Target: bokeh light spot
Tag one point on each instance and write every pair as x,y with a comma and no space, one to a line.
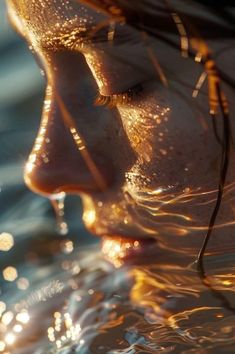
10,274
6,242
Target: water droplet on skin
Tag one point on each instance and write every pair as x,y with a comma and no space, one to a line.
57,202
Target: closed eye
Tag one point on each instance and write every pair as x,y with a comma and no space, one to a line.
120,98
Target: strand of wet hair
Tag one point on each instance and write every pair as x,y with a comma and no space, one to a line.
215,130
184,43
225,145
225,148
217,100
223,174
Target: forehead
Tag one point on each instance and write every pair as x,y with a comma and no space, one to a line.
37,11
43,20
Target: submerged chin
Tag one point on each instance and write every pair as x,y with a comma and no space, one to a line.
179,228
113,228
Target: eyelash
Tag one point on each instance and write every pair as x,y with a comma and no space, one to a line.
121,98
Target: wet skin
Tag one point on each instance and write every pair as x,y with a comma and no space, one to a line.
149,165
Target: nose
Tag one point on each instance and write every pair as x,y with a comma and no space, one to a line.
63,159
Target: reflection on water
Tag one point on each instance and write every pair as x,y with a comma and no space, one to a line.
80,303
6,242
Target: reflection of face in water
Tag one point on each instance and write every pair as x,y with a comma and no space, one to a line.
144,157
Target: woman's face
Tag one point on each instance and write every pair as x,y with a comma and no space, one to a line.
143,157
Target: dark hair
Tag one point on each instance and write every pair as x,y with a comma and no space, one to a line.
157,18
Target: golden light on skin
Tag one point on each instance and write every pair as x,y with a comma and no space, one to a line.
156,191
227,329
135,127
15,20
155,203
30,165
89,214
6,242
174,320
80,143
227,282
143,289
10,274
117,250
89,217
94,65
145,121
220,315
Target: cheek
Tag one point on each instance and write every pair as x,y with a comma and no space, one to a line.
173,147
